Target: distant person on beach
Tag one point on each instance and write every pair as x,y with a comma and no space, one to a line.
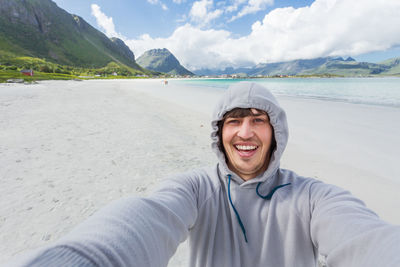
244,211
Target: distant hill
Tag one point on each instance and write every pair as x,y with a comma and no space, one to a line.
393,65
348,68
40,29
288,68
269,69
317,66
162,60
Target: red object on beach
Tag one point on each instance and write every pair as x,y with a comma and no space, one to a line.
27,72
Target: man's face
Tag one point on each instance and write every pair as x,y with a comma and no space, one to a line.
247,142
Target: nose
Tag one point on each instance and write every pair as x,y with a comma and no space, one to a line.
245,130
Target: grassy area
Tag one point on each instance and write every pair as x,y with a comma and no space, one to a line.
11,65
15,74
40,76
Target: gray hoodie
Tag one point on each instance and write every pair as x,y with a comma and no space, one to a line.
275,219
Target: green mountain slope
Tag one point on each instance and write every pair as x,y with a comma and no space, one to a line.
162,60
348,68
39,28
393,66
288,68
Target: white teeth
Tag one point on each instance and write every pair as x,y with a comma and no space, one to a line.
245,147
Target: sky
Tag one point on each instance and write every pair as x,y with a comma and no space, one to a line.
243,33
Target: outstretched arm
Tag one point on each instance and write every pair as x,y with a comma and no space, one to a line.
129,232
348,233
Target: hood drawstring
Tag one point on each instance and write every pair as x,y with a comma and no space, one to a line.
267,197
234,209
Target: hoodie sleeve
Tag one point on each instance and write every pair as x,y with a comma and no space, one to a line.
129,232
348,233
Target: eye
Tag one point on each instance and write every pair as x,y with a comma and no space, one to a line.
259,120
232,121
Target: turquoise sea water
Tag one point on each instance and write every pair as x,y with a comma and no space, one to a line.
372,91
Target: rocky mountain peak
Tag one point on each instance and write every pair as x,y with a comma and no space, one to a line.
162,60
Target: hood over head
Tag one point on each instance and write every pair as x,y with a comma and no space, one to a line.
251,95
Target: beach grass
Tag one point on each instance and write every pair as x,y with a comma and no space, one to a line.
14,74
6,75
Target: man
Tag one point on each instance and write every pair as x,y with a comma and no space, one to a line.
244,211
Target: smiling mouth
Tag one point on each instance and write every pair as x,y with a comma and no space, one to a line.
246,151
245,148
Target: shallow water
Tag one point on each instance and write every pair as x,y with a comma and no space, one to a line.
371,91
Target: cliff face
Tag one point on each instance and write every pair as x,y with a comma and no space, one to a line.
24,12
162,60
123,48
39,28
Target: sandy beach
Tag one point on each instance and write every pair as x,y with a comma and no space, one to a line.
68,148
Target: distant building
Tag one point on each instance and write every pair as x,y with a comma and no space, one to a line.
239,75
27,72
114,73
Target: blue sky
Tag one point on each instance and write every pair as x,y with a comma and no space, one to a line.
217,34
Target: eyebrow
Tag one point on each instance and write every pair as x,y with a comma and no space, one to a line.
252,115
258,114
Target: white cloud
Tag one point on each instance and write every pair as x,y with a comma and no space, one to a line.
192,46
178,1
104,22
252,6
201,12
326,28
158,2
235,5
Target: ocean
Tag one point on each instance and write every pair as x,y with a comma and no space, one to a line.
370,91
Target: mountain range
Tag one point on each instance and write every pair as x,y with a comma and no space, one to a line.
318,66
162,60
40,29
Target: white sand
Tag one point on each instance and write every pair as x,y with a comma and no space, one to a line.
69,148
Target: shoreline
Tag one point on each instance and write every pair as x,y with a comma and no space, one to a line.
277,94
72,147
